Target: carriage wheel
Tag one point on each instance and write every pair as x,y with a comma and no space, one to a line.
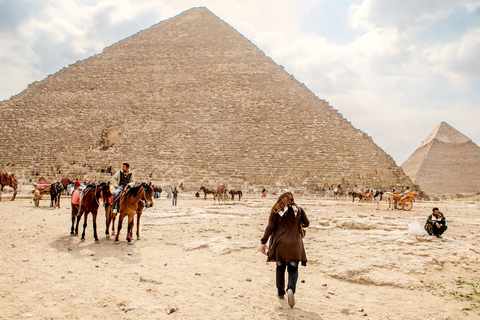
369,199
407,204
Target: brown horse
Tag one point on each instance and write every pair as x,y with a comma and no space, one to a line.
90,203
7,179
207,191
130,205
234,192
221,194
356,195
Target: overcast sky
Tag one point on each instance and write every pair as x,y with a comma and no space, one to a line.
395,69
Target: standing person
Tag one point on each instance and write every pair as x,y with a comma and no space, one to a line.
77,183
159,191
436,224
120,181
286,243
174,198
264,193
169,192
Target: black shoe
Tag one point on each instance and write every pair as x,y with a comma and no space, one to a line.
291,298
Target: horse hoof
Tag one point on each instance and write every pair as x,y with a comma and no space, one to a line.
97,241
138,238
107,236
130,243
82,240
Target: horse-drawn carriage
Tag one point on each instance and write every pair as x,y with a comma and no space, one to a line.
42,186
400,201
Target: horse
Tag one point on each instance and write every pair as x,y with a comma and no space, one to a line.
7,179
89,203
392,198
338,191
130,205
234,192
56,190
207,191
356,195
37,195
221,194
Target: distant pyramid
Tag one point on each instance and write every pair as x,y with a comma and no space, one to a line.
189,100
447,162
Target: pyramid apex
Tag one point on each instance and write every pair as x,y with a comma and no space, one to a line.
445,133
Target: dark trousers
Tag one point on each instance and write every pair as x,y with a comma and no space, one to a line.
292,269
432,229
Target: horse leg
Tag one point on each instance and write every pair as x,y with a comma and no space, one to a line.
79,217
14,194
119,227
84,224
130,228
113,222
58,200
52,199
94,218
74,215
108,218
139,214
1,190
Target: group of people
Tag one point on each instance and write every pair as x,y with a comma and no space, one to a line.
284,234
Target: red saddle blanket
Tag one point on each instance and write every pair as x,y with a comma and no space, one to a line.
75,195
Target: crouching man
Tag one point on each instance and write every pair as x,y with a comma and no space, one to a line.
436,225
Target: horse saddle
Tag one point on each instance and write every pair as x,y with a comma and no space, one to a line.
79,193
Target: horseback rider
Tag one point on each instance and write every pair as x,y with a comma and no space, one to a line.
120,181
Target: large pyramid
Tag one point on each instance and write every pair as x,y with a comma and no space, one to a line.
447,162
188,100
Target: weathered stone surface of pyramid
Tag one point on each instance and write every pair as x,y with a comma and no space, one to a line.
447,162
189,100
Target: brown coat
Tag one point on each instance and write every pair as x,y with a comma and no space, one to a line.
286,242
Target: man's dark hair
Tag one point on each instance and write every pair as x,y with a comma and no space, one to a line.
435,209
126,165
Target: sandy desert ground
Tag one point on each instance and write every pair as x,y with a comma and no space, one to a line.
202,261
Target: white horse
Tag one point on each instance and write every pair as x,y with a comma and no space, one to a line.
389,196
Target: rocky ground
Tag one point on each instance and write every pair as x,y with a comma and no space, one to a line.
202,261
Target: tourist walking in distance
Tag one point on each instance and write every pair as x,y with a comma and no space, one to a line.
174,198
285,230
